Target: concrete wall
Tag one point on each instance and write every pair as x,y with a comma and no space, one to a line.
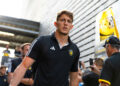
85,11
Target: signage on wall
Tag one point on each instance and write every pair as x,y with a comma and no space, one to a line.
107,24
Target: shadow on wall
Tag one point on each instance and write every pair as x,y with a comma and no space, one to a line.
44,29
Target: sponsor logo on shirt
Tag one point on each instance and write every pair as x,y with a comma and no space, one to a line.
5,80
52,48
29,68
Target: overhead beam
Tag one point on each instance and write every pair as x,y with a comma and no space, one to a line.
32,25
19,31
16,38
11,45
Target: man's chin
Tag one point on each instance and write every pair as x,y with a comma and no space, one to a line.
64,33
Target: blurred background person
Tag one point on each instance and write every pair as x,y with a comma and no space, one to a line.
27,80
17,51
5,56
110,75
7,51
91,78
3,76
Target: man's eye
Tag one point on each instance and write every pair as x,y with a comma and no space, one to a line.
69,21
62,20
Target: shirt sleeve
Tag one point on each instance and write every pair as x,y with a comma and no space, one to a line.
35,49
74,67
107,71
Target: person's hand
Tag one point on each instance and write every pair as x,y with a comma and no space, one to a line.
79,72
83,65
95,69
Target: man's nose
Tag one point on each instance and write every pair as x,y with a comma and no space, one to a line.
66,22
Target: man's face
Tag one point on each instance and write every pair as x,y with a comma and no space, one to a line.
108,49
64,24
7,46
3,71
25,50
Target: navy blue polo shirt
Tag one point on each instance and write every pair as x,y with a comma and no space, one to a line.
54,64
15,63
3,81
111,70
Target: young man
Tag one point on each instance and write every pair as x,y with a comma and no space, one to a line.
27,80
110,75
56,55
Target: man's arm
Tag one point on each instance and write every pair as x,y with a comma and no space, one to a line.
20,71
26,81
79,75
95,69
74,79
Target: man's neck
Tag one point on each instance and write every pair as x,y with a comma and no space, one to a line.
62,39
114,51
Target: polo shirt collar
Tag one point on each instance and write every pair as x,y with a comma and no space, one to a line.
54,38
115,53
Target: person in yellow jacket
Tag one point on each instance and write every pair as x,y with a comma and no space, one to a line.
7,51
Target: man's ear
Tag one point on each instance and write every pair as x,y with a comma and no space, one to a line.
55,23
72,27
108,45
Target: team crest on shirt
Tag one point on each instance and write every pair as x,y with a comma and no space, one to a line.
5,80
70,52
52,48
29,68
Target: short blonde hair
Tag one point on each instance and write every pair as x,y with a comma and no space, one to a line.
68,13
99,61
23,45
2,66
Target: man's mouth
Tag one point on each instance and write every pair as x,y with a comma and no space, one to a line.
64,28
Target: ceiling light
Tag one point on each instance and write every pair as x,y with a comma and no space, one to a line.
4,42
6,33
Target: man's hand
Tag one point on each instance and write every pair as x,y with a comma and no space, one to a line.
95,69
83,65
27,81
